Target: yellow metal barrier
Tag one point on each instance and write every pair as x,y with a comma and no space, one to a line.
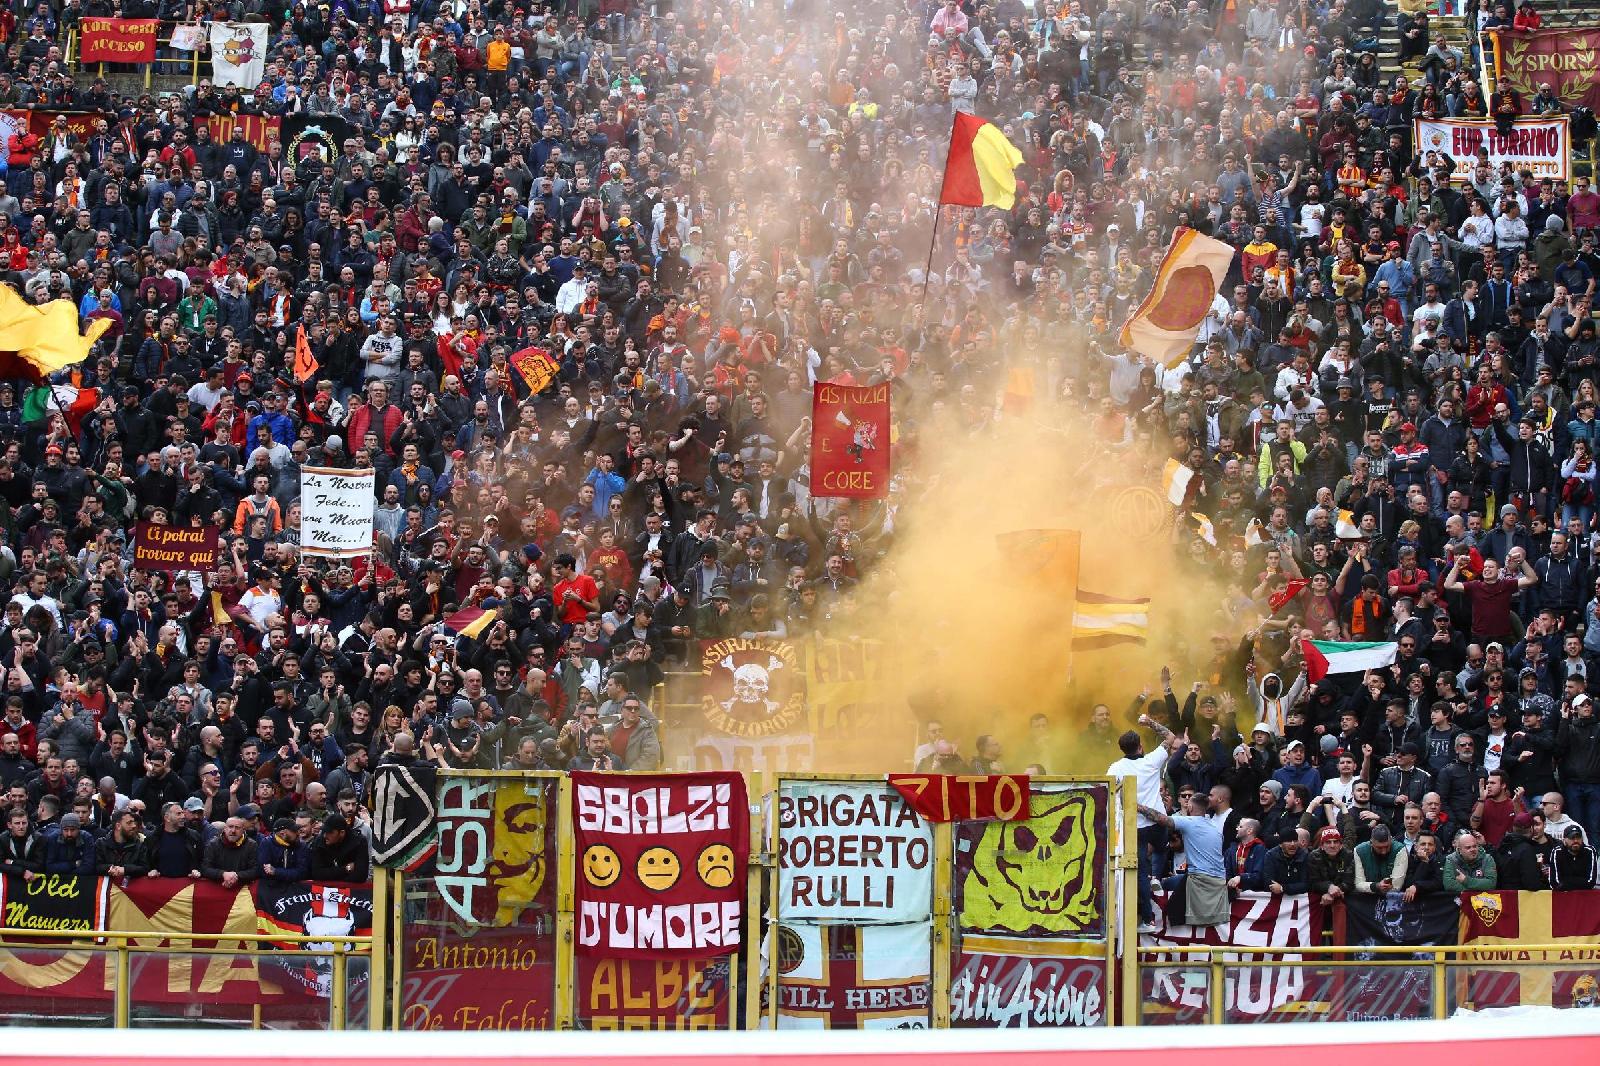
124,945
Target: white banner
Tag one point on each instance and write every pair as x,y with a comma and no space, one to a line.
336,511
238,53
851,852
855,977
189,37
1540,145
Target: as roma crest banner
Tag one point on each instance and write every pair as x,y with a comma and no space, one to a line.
661,864
1495,926
850,441
1164,326
312,140
238,53
1567,59
106,40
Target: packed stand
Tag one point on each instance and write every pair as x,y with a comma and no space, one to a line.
699,211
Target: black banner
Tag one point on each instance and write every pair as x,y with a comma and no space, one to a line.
305,908
312,140
1390,919
405,830
67,902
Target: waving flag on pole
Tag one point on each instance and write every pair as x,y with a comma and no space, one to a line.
1203,526
1324,657
1175,482
981,169
1101,621
1164,326
1345,527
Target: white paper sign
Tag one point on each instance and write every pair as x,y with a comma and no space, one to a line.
336,511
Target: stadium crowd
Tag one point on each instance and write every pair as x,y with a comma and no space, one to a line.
699,210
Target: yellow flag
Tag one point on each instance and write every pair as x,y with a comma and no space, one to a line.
45,335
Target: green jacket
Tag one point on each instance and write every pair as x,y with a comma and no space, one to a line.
1481,873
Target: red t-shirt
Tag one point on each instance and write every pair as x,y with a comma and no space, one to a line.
1491,606
574,612
1497,815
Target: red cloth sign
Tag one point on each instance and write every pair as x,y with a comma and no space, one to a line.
537,368
174,547
105,40
661,864
965,797
850,441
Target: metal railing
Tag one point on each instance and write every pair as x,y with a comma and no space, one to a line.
123,946
1450,971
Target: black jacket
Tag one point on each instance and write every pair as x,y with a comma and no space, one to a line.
348,861
1517,862
1572,871
133,855
1579,742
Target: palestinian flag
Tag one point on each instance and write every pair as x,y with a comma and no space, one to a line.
1100,621
470,621
1324,657
1496,930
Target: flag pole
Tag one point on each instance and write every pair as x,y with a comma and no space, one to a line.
927,271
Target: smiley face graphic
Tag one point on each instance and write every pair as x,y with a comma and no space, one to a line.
601,867
716,865
659,869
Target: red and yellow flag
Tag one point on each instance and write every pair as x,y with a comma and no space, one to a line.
1164,326
1496,928
981,170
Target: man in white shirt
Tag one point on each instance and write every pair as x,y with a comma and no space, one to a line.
1552,805
1146,771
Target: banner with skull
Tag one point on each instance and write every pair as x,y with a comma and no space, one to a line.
753,706
308,908
1043,877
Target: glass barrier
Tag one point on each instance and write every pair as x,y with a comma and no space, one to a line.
244,990
58,985
1174,995
1487,984
1328,991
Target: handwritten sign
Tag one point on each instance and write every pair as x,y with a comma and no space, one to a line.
965,797
336,507
105,40
174,547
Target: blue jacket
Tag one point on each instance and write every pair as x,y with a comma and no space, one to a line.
1304,774
288,863
1249,874
60,857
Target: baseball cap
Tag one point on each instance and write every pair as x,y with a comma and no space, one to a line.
1522,821
1570,831
1408,427
1293,744
1411,748
194,803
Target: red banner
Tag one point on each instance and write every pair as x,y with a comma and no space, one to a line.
1180,995
637,994
174,547
259,130
850,441
661,864
965,797
1567,60
103,40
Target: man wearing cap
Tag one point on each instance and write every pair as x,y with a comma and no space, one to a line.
1530,756
1578,740
1401,785
283,857
338,854
1516,858
230,859
1573,867
1296,771
69,850
1330,871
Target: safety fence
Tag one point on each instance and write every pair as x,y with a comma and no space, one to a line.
712,900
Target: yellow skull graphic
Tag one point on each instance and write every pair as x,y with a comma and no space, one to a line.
1038,875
